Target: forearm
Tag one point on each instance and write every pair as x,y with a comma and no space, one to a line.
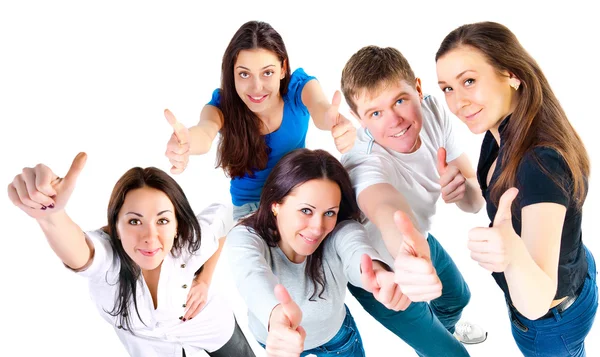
200,140
319,116
208,269
66,239
473,199
531,289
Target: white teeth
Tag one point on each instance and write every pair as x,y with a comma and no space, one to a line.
400,133
257,98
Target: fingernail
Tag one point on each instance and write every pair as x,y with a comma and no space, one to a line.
44,208
184,319
190,318
51,205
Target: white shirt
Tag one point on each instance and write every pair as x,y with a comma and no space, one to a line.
414,175
164,334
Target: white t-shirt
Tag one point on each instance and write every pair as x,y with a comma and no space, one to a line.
163,333
414,175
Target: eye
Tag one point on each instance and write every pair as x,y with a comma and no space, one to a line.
469,82
330,214
399,101
376,114
268,73
244,75
447,89
163,221
306,210
134,222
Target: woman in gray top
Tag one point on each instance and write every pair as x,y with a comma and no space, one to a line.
305,239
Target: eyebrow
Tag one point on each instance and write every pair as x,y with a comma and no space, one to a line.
247,69
158,214
313,207
373,108
459,75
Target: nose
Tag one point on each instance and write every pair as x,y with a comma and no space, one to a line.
257,84
317,226
150,233
396,118
461,99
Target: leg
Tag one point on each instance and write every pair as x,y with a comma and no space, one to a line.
236,346
346,343
417,326
455,292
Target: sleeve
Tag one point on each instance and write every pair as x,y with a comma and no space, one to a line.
297,82
247,254
543,176
351,241
215,101
103,255
448,134
367,170
215,222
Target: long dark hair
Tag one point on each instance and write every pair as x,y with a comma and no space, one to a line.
294,169
242,149
538,119
188,232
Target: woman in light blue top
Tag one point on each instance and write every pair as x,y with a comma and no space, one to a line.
261,111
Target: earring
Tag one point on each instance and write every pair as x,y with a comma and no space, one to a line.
515,86
274,212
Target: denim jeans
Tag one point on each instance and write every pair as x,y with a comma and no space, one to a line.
244,210
346,343
564,333
426,327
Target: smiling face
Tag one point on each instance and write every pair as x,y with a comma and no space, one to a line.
475,91
257,74
393,117
147,226
306,216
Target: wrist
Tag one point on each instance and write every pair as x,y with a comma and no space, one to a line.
53,219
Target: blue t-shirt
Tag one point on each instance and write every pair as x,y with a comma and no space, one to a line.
291,135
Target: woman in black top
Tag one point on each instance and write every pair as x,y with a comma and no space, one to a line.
533,171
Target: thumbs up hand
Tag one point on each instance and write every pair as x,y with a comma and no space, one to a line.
415,274
178,147
342,130
377,280
286,336
40,193
493,247
452,181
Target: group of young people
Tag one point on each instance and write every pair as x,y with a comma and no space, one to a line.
308,227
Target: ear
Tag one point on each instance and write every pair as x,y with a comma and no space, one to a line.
514,82
283,69
418,87
275,208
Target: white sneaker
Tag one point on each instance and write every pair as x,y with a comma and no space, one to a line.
469,333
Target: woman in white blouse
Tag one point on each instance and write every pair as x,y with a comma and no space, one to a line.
149,268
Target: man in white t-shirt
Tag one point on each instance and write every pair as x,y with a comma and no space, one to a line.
403,159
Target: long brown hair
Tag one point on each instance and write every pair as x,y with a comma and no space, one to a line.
294,169
242,149
538,119
188,233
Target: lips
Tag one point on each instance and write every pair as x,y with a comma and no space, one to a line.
309,240
401,132
257,99
148,253
472,116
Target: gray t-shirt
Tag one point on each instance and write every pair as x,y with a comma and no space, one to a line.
257,268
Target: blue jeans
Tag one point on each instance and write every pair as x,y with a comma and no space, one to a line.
426,327
564,333
244,210
346,343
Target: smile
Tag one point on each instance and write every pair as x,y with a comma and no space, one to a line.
309,240
472,116
257,99
149,253
397,135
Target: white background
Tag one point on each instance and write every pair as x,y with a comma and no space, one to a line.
96,78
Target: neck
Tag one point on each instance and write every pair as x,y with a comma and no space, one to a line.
290,253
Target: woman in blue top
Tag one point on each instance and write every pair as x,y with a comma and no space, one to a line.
261,110
534,245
